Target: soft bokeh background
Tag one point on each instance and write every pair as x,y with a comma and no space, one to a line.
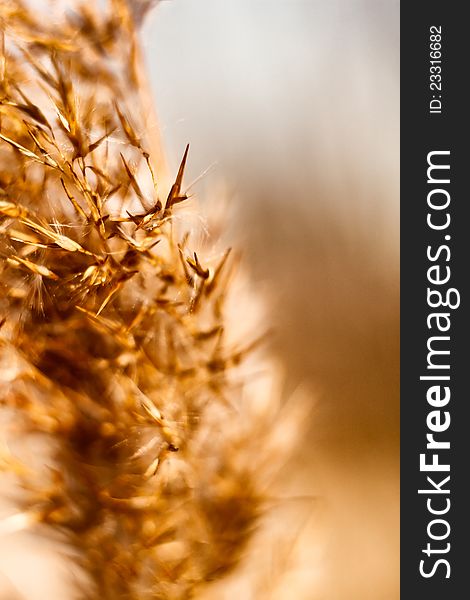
297,103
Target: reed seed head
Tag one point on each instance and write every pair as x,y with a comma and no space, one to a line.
116,349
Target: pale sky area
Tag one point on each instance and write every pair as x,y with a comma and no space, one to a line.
280,86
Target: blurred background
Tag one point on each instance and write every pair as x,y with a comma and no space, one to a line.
294,107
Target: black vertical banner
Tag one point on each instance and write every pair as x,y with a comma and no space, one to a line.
435,309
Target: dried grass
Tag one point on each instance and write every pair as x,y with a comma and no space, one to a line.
115,344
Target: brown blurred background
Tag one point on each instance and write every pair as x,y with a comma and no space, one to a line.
298,104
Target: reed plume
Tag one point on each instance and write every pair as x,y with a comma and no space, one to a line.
117,348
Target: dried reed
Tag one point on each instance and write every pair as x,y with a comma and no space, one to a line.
115,344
